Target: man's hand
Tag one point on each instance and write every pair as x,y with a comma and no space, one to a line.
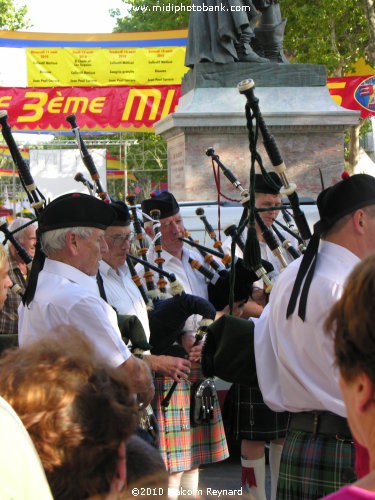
177,368
195,351
140,378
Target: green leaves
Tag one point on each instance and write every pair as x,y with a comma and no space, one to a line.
12,18
329,32
151,15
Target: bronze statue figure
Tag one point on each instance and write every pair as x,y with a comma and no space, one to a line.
224,31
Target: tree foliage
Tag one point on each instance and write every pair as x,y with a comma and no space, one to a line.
329,32
369,9
334,33
11,17
150,15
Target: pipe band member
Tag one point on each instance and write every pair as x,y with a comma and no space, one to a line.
62,287
264,425
294,357
184,447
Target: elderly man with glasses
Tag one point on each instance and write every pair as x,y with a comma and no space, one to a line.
122,293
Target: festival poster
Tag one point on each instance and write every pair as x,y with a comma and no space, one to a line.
87,67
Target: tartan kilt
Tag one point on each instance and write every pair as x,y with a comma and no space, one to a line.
182,446
314,466
252,419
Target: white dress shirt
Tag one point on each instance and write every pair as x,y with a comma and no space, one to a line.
295,359
66,296
191,280
123,294
266,254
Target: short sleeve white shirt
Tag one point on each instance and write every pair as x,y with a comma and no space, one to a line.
294,359
66,296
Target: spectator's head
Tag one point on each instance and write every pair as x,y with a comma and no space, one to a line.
5,281
26,236
77,410
352,325
143,462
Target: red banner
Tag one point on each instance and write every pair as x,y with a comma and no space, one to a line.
121,109
97,108
354,92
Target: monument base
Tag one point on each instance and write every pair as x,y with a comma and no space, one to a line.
307,124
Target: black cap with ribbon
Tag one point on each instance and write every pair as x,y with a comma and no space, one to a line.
165,202
69,210
268,185
344,198
122,214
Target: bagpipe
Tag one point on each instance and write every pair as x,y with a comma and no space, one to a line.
223,284
217,354
252,216
36,199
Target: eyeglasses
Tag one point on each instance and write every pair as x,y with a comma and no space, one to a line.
121,239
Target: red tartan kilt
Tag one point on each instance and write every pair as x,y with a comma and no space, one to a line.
182,446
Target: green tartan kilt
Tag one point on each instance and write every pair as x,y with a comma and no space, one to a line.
314,466
182,446
252,419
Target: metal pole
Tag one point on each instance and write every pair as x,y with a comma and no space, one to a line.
125,169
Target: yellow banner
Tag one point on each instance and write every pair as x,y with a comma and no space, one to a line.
88,67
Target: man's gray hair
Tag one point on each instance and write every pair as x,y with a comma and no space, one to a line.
19,222
54,240
369,210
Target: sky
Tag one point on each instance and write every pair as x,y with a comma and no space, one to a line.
71,16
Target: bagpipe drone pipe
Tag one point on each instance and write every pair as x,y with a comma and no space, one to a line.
219,336
236,282
36,199
253,114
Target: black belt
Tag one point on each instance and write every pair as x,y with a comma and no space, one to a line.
320,422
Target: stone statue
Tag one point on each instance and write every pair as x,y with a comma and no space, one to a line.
224,31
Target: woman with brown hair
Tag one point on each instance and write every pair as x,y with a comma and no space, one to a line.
352,326
78,412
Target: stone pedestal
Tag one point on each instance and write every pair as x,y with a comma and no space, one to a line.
307,124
